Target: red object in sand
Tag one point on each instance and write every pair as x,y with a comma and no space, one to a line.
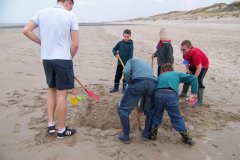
92,95
87,91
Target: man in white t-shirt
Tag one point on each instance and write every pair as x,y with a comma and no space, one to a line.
59,41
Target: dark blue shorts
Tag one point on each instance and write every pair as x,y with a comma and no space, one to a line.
59,74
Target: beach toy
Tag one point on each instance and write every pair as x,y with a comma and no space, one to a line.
185,62
81,98
89,93
74,100
191,101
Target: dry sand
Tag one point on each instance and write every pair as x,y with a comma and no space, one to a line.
215,127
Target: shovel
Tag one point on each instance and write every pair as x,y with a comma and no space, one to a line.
87,91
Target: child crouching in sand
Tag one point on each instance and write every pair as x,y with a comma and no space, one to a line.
166,97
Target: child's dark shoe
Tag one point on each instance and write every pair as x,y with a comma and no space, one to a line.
145,138
113,90
124,138
186,139
153,133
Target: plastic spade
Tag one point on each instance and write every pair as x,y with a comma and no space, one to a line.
87,91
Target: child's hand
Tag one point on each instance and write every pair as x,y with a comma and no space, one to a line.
189,72
152,57
117,55
193,98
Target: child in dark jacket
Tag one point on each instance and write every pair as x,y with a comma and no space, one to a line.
124,51
164,52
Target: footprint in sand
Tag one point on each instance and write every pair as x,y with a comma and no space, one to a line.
29,74
3,105
12,102
16,94
213,78
16,128
25,90
104,80
43,138
18,72
55,157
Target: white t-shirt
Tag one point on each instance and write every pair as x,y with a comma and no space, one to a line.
55,27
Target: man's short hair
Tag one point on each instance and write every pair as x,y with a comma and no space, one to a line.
65,1
167,68
187,43
127,31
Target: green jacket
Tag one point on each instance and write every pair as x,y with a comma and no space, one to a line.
173,79
125,50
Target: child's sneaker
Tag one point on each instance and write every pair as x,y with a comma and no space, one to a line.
68,132
51,129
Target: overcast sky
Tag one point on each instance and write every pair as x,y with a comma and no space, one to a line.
20,11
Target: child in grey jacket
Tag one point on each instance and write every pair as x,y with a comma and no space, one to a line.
164,52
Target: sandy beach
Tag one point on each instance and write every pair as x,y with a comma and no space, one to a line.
215,126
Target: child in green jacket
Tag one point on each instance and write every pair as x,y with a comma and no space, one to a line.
166,97
124,51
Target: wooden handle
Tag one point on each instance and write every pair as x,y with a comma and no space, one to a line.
82,86
79,82
121,61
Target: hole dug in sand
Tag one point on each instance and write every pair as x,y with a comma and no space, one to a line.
103,114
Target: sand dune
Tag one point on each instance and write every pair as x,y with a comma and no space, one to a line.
219,10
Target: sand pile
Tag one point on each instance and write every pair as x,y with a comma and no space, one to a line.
103,114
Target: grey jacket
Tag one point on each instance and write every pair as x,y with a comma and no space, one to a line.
164,54
138,68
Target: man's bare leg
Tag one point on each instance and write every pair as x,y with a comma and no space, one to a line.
51,104
61,107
